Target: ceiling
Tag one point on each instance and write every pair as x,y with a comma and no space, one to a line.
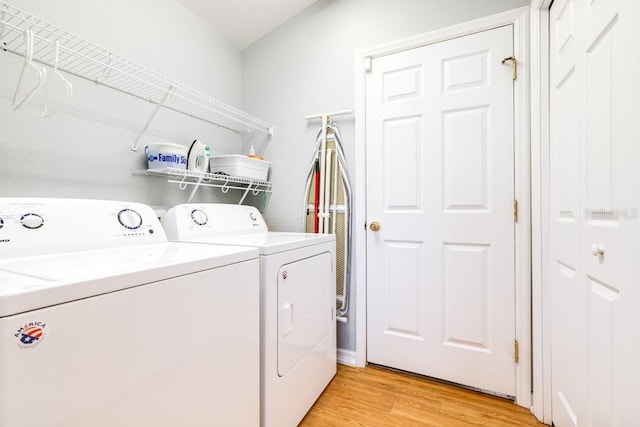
244,21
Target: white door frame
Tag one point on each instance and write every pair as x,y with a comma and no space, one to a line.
519,18
540,212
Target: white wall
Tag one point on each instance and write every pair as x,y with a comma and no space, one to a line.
306,66
84,151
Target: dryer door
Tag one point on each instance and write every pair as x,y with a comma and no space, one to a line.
305,289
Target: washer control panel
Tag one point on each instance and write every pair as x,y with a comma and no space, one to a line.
35,226
202,220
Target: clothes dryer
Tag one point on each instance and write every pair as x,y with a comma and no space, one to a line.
297,302
104,323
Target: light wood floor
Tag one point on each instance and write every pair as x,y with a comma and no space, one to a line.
374,396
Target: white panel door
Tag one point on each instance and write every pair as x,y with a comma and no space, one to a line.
595,207
568,302
440,181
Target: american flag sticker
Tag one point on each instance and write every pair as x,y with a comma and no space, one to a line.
31,334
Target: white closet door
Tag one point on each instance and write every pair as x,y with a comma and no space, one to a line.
595,207
440,181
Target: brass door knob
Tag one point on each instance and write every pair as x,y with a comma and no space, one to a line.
597,250
374,226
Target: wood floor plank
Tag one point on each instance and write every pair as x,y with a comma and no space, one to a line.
374,396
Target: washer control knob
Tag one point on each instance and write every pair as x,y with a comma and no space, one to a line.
130,219
199,217
253,216
31,221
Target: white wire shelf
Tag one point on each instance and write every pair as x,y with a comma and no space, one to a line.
225,182
185,178
86,60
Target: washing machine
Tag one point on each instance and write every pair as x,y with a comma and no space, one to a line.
297,302
105,323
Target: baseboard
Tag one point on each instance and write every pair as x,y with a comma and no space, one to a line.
347,357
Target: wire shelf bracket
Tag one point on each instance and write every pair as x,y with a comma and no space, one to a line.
134,147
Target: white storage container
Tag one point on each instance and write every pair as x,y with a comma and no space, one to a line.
240,166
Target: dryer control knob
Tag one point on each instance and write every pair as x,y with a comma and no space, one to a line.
130,219
31,221
199,217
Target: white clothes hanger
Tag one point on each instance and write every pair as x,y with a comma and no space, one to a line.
67,84
20,97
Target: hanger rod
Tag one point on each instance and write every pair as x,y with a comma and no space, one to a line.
332,114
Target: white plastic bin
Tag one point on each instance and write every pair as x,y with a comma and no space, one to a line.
240,166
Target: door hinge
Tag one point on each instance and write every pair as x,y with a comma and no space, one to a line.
514,66
368,64
515,211
516,351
